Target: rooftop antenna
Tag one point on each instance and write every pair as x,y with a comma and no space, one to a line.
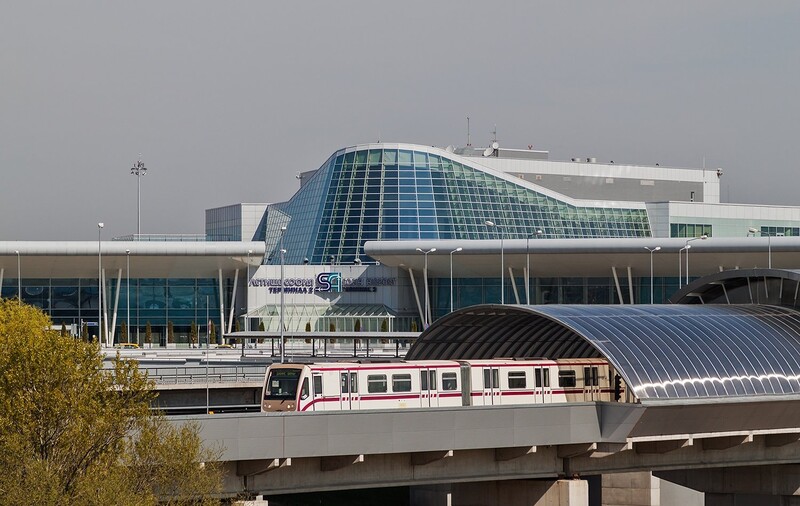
494,133
469,142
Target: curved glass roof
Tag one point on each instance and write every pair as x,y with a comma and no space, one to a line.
403,191
662,351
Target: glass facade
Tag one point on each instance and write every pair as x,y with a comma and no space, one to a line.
378,193
73,302
690,230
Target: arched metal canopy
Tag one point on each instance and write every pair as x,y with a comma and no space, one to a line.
662,351
779,287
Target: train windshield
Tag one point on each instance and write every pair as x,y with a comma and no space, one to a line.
282,384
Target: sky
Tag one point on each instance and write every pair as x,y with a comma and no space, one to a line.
226,102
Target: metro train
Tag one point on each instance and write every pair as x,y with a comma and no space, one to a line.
437,383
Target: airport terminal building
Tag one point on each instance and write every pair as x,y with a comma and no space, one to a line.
389,237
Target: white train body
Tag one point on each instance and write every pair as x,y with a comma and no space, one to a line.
435,383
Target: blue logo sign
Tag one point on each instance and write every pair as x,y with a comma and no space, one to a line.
329,282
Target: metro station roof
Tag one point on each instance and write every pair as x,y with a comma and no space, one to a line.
662,351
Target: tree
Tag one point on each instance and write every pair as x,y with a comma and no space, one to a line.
384,326
170,332
193,334
213,333
357,326
123,333
261,327
332,327
148,334
85,332
308,326
72,432
63,329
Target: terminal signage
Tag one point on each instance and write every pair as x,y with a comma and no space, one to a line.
324,282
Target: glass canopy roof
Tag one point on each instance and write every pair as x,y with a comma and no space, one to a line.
662,351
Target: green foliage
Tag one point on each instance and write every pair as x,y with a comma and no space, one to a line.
213,333
63,329
332,327
148,333
261,327
170,332
413,325
384,326
72,432
308,326
193,334
85,332
123,333
357,326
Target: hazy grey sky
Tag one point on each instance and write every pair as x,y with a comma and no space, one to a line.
227,101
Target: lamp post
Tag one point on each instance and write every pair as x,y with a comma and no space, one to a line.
703,237
283,252
755,231
490,223
128,275
652,250
138,170
425,277
247,314
99,283
19,279
528,265
451,276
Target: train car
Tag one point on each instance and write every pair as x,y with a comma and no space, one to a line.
352,386
343,386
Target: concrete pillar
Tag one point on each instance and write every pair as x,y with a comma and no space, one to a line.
713,499
504,493
631,489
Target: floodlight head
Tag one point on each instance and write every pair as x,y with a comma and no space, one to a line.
539,231
305,260
357,261
418,249
658,248
459,249
16,251
753,230
249,252
127,252
100,225
431,250
704,236
489,223
283,228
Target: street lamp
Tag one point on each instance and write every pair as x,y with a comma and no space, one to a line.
19,280
703,237
528,265
490,223
128,275
769,243
99,283
652,250
283,252
425,277
451,276
138,170
246,316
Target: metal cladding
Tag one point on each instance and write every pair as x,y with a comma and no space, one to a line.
662,351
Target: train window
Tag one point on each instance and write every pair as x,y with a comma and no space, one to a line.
282,384
354,382
304,389
516,379
491,378
345,383
423,380
432,379
317,385
590,376
567,379
449,381
546,377
376,383
537,377
401,382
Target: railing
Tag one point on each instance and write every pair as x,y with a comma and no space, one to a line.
189,375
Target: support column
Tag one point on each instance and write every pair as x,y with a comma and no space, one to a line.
504,493
116,306
631,489
416,295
